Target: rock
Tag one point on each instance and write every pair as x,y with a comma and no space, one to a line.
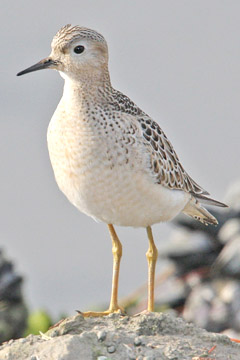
229,230
144,336
228,261
101,335
214,305
13,311
189,250
111,349
137,341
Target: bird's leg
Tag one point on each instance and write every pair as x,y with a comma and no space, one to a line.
117,254
152,255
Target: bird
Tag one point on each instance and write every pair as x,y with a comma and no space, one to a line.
112,161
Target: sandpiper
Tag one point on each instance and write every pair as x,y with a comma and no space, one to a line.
111,160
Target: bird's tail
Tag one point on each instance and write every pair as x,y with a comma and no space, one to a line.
208,201
198,212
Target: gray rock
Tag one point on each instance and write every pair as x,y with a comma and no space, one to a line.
229,230
189,249
137,341
228,261
101,335
162,337
111,349
214,305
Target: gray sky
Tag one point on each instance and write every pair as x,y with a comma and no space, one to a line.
179,61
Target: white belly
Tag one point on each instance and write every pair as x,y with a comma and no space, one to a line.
125,198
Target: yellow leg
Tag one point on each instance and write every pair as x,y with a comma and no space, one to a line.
117,254
152,255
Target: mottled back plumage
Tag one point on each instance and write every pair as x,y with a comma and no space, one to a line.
165,163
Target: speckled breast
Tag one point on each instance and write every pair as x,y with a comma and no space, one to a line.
92,168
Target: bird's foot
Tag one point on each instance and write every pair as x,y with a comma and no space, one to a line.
117,310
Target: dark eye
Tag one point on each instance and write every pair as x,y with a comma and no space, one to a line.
78,49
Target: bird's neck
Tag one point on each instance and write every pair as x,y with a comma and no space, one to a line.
87,87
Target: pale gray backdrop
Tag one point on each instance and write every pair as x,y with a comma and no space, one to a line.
179,61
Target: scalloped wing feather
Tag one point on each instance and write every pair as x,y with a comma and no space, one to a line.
165,163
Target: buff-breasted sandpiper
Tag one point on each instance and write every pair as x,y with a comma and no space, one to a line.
111,160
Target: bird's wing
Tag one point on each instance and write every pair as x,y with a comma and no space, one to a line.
165,166
165,163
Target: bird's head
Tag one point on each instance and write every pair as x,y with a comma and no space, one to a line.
76,51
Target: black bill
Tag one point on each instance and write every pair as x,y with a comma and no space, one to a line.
43,64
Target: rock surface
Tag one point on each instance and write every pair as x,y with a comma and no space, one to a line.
141,337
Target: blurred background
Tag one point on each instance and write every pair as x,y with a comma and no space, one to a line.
179,61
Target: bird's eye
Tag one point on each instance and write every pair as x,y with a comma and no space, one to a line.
78,49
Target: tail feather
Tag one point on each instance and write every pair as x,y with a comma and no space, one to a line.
207,200
198,212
